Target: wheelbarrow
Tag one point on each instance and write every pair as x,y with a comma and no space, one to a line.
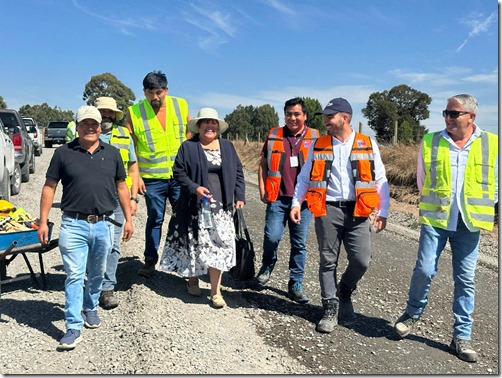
13,244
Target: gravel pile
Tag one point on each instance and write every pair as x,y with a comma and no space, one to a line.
159,329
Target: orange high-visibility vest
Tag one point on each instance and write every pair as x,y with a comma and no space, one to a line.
276,155
363,169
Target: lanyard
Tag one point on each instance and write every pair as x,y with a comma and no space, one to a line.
297,140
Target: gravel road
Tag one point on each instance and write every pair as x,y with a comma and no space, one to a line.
159,329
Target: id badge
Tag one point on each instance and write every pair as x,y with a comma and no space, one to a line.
293,161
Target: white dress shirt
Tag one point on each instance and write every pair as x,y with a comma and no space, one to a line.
341,180
458,161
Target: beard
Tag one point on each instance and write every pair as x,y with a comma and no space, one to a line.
106,124
156,104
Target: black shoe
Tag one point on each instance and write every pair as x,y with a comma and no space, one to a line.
148,270
296,293
329,320
263,275
345,310
404,325
463,349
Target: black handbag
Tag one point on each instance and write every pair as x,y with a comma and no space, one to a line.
244,250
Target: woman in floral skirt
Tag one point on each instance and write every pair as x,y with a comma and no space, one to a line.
206,167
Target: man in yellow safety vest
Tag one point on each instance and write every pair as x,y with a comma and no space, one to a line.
457,175
158,127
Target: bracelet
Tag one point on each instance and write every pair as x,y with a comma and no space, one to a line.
136,199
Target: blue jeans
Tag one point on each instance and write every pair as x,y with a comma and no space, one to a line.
84,247
156,196
276,217
110,279
464,245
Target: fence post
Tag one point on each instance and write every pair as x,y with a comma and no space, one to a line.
360,127
394,139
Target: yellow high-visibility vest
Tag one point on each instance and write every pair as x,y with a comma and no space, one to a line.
120,139
479,181
71,132
156,149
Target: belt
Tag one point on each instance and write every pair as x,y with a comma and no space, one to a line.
91,218
341,204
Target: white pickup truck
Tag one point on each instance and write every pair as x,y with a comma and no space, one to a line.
36,135
10,170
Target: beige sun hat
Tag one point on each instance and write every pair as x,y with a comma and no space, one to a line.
207,113
109,103
88,112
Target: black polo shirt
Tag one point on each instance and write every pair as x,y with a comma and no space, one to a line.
89,180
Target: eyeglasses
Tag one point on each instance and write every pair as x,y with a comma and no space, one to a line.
453,113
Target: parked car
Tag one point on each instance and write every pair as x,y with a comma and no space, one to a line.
10,171
36,135
23,145
55,133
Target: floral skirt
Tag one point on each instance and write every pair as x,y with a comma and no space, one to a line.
213,247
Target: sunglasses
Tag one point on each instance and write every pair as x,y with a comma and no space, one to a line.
453,113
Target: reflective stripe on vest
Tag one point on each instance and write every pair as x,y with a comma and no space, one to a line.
157,148
71,132
479,181
363,171
276,156
322,159
120,139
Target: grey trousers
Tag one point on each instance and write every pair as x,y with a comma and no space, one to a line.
337,227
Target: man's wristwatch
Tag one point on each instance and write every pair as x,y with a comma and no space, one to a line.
135,199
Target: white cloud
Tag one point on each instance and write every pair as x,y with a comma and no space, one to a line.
280,7
123,25
478,25
491,78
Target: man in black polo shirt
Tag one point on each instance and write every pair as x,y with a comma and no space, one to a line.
92,174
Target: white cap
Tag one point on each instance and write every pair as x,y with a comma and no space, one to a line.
88,112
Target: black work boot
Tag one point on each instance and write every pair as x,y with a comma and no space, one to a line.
149,269
329,319
346,308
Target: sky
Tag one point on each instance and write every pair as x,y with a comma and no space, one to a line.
225,53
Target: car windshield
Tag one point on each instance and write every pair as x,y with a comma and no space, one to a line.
28,122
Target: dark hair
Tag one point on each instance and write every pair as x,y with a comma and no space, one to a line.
293,102
155,79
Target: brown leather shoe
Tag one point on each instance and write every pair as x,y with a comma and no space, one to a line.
194,290
107,300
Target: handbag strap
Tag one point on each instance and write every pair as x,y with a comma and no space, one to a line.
242,223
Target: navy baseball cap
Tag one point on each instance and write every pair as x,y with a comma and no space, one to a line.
337,105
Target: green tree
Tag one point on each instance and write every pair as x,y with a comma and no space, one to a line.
405,132
264,118
108,85
3,104
400,103
43,113
240,122
313,105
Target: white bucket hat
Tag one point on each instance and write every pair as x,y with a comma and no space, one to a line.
109,103
88,112
207,113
